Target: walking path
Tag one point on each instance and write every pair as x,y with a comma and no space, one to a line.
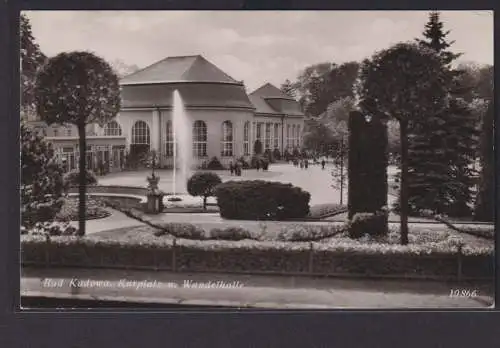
270,292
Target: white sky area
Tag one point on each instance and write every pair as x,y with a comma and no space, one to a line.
253,46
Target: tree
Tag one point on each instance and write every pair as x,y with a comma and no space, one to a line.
288,88
484,209
339,171
317,137
32,59
78,88
443,144
122,69
42,187
435,39
203,184
384,90
319,85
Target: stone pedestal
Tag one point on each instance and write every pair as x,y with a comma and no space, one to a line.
154,196
154,202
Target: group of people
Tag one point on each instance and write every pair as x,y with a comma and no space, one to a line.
235,168
304,163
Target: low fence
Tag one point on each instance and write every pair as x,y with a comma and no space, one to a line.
307,259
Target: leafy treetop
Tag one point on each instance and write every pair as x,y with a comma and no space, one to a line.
78,88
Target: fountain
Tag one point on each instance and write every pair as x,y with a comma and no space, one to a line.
182,151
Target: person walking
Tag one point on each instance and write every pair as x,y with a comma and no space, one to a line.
237,168
231,167
306,163
323,162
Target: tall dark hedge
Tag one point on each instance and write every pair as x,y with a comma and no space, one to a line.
261,200
367,164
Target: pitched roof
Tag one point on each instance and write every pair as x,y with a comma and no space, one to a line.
179,69
269,91
268,99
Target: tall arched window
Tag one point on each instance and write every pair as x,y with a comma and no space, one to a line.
267,140
227,139
276,135
288,143
112,129
246,139
169,140
297,139
199,139
140,133
258,131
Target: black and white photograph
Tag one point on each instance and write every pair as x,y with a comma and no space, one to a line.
257,160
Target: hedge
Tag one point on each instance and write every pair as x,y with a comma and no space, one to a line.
258,257
261,200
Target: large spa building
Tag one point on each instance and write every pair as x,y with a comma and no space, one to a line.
226,122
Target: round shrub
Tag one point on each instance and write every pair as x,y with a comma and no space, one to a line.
203,185
368,223
73,178
261,200
214,164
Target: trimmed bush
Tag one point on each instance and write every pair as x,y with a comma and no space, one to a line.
257,147
203,184
215,164
368,223
261,200
256,257
72,178
181,230
304,233
230,233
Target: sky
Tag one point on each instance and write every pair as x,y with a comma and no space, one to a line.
253,46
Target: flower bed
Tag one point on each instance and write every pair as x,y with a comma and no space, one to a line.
352,258
481,230
321,211
69,211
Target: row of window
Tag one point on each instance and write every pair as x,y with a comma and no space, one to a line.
272,135
141,135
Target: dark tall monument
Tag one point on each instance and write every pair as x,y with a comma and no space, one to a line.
367,164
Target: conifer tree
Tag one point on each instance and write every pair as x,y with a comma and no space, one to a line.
442,145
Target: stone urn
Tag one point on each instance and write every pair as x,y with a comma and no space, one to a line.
153,182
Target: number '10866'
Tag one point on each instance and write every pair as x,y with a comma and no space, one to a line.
463,293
